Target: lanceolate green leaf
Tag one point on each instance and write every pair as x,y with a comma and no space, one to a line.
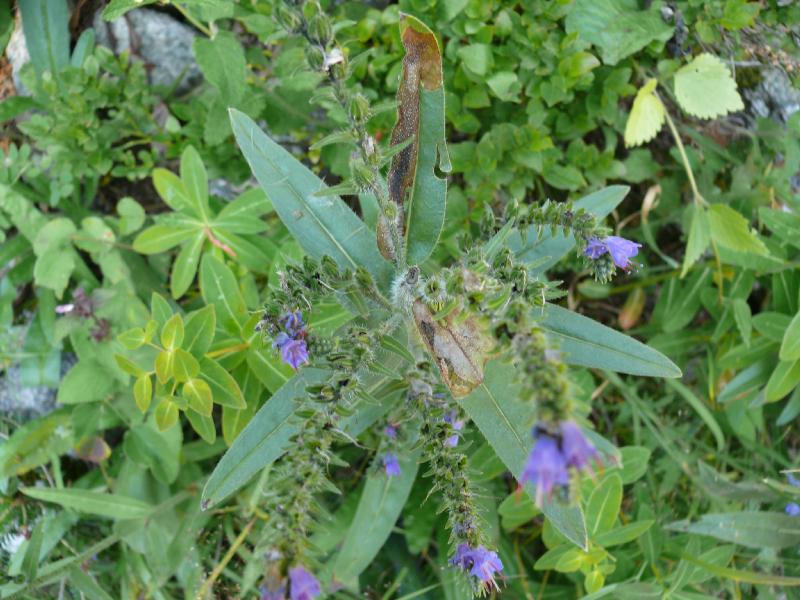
46,34
266,436
94,503
261,442
751,529
505,423
322,225
546,250
378,509
587,343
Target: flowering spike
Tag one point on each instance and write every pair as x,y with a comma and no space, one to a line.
302,584
481,563
390,431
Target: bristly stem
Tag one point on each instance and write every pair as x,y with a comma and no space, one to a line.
369,153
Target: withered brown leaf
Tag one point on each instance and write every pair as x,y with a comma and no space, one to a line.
460,347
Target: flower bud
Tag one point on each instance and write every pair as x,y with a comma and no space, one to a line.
359,107
288,18
361,173
315,57
364,279
320,30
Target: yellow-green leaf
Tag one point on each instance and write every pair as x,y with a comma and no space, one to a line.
705,88
647,116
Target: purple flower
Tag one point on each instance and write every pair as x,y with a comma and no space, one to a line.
793,481
390,431
575,448
621,250
481,563
458,425
294,353
546,468
291,342
302,584
792,509
293,323
391,465
595,248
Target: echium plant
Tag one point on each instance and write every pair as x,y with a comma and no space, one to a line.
428,347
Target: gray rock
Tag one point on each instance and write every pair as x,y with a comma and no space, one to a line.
18,56
25,403
774,96
162,42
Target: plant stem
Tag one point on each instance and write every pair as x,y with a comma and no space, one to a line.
698,197
225,560
197,24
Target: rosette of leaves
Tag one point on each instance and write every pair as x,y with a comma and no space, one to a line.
198,223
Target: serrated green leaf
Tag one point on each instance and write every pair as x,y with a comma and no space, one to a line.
731,230
705,88
224,65
647,116
618,27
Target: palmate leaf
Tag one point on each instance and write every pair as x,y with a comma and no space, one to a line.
705,88
322,225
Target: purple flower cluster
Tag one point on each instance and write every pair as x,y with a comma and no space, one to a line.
481,563
620,249
302,584
291,341
552,456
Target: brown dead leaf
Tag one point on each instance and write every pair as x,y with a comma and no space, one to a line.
459,347
422,67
